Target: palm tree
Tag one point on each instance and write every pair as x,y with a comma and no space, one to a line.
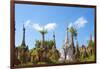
73,32
43,32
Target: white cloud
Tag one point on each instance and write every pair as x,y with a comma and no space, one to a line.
49,26
70,25
26,24
37,27
79,23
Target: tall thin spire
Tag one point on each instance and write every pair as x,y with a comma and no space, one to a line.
67,39
90,37
53,36
54,39
67,35
23,41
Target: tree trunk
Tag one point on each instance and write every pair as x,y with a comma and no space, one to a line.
72,43
42,40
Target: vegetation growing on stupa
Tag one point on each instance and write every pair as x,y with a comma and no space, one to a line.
45,51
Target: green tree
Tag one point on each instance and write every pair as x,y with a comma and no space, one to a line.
36,55
41,55
54,56
37,44
91,46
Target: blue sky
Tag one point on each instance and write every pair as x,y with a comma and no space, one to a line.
59,17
